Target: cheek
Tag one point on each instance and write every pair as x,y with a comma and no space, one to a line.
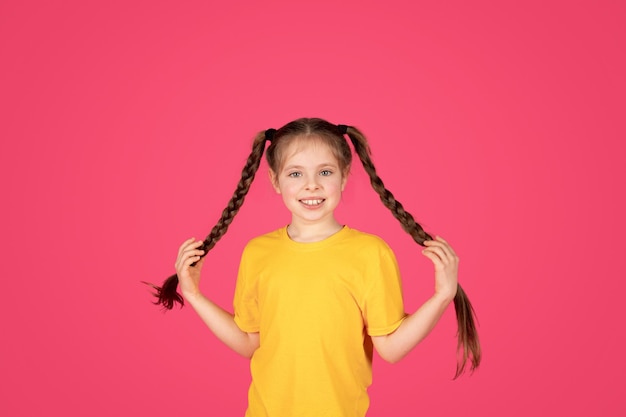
288,189
335,186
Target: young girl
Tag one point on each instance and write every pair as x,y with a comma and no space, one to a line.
314,298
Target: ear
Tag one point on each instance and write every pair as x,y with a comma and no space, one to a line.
274,180
344,180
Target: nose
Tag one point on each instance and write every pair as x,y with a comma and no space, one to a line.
312,183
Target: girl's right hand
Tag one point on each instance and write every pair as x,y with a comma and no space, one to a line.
189,276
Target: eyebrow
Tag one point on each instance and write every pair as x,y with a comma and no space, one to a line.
324,165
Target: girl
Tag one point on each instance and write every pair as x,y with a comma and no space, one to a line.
314,298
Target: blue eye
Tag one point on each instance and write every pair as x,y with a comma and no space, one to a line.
294,174
326,172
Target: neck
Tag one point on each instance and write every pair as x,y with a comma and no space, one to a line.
314,232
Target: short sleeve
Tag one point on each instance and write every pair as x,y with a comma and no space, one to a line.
383,306
245,302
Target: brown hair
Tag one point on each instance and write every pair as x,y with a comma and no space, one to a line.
332,135
468,344
317,129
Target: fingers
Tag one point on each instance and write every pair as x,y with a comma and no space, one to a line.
436,259
441,249
191,258
188,253
191,242
446,264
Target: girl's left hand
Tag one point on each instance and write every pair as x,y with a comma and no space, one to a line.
446,266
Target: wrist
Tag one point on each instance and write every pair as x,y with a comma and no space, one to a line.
192,296
444,297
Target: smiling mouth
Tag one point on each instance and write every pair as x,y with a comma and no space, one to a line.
312,202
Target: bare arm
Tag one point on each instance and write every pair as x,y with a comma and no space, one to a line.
219,321
417,326
223,325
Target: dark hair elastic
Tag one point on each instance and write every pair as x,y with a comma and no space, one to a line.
343,129
269,134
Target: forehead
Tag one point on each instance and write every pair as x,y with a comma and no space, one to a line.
308,150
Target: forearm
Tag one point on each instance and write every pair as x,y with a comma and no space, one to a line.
413,329
222,324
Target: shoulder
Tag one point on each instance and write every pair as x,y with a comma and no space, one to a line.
374,257
266,241
368,242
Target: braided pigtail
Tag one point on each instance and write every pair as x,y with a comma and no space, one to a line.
166,295
468,344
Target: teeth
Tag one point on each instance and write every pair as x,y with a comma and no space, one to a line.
312,202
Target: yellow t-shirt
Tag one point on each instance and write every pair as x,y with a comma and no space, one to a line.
313,305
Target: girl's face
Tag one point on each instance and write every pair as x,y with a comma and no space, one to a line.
310,181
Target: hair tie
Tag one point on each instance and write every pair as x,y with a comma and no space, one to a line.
269,134
343,129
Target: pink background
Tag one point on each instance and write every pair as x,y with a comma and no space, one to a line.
124,128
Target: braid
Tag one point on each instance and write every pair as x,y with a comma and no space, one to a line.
468,343
404,217
166,295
